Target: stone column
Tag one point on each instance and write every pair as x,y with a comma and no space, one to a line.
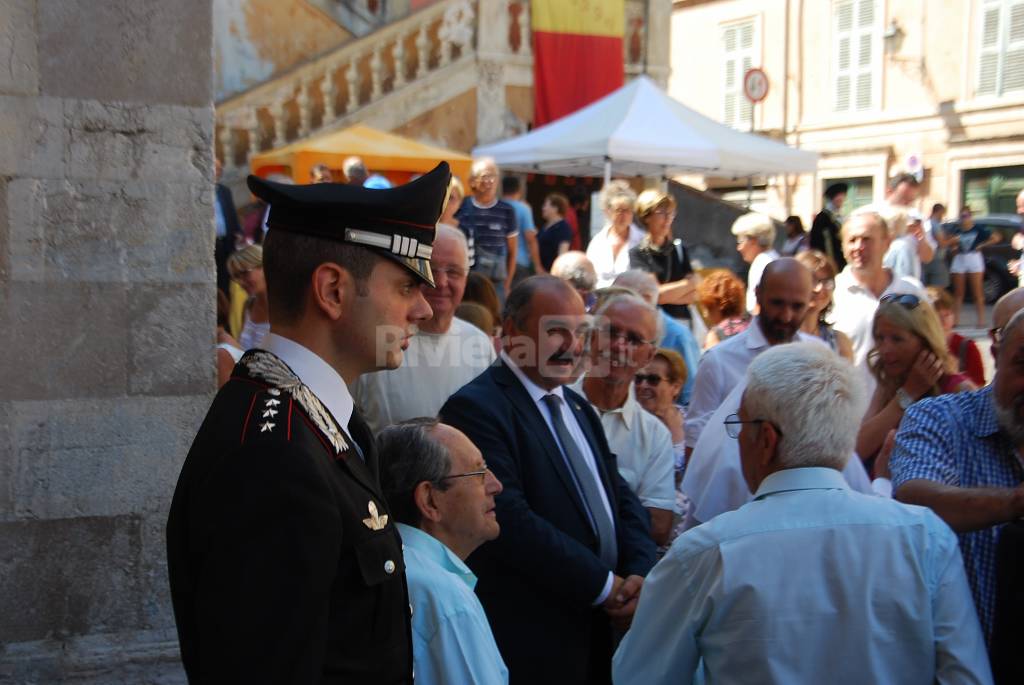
492,52
658,35
106,325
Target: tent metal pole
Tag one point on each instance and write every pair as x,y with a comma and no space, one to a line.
607,170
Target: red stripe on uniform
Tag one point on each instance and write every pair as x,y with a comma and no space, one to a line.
289,419
245,426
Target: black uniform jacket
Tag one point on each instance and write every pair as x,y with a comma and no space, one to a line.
285,566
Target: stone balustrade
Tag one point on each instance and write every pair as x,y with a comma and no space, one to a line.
329,91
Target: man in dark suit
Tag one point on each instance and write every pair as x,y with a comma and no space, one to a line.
228,230
284,562
824,234
575,542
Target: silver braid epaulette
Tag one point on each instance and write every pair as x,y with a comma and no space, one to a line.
270,369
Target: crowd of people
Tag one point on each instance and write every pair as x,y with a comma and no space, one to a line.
451,443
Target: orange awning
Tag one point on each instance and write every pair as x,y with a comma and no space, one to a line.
388,154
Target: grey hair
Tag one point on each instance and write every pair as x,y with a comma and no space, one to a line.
633,298
579,273
643,283
478,166
410,455
813,396
354,169
617,190
757,226
456,235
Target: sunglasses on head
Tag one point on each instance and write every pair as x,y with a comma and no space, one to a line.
649,378
906,300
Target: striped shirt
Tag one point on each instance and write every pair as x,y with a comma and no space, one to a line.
487,228
955,440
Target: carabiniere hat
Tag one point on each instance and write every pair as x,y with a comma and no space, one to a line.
398,223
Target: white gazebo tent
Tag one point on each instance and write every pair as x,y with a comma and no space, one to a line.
640,131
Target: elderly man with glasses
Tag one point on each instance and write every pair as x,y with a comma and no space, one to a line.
810,582
623,342
442,495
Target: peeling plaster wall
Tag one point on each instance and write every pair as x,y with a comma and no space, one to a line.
255,40
106,325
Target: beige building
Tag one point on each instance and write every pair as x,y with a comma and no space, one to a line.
875,86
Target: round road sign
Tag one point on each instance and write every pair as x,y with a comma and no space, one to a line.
755,85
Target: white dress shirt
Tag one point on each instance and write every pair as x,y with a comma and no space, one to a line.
537,394
809,583
433,369
599,252
317,374
754,275
720,369
713,480
643,449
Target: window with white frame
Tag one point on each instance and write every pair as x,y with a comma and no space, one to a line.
855,47
1001,47
739,43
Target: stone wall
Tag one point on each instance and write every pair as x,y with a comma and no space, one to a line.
106,325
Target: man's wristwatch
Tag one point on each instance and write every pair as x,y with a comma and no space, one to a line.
904,398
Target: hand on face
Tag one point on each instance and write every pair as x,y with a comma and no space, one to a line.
924,374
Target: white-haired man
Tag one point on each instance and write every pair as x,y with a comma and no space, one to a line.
813,580
623,342
578,271
959,455
755,235
442,497
490,226
445,354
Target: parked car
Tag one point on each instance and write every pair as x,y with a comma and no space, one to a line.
998,279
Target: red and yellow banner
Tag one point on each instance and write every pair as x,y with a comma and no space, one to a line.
577,54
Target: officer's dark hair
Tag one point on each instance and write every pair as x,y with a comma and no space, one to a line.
409,455
510,185
517,304
289,260
938,207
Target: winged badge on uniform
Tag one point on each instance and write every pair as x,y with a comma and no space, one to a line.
269,368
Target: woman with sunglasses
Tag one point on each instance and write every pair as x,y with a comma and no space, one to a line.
823,271
910,361
657,386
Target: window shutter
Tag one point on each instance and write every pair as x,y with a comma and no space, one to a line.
988,68
854,58
1013,66
738,43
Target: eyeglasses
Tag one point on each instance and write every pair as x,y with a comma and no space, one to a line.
664,212
906,300
452,272
651,379
827,284
482,473
629,337
996,334
733,425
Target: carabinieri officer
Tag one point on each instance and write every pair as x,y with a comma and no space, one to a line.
284,561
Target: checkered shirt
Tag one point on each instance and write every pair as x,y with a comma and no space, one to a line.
955,440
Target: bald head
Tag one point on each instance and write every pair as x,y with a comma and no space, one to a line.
783,295
1004,309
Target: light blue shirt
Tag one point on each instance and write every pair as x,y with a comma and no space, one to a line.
451,638
809,583
524,217
679,338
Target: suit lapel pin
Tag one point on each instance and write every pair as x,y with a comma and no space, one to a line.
375,521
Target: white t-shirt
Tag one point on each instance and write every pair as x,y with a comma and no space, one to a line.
599,252
902,259
754,275
643,446
433,368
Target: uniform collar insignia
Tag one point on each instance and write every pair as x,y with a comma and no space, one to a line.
375,522
268,368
